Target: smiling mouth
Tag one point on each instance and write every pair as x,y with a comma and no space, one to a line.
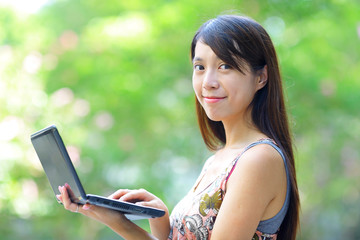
213,99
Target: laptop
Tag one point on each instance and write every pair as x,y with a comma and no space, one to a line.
59,170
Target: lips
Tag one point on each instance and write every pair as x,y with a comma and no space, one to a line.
212,99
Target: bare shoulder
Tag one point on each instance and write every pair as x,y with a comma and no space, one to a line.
262,157
256,187
260,167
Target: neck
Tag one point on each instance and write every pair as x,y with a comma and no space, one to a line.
239,133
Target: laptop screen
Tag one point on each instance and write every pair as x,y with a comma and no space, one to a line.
56,163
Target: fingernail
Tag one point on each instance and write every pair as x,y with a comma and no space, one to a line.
59,188
86,207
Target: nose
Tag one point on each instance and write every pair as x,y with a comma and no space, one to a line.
210,80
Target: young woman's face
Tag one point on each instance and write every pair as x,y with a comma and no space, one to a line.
224,92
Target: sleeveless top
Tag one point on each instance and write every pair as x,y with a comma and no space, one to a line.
194,216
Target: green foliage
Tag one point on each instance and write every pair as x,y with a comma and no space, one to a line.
115,77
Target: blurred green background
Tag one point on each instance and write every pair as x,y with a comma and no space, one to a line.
115,77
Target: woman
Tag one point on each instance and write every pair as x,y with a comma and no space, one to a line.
247,189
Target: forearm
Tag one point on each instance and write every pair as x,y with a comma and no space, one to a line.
129,230
160,227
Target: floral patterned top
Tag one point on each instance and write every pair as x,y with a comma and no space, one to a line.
194,216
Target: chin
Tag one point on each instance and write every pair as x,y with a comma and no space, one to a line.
214,117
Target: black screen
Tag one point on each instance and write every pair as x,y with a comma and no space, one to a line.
56,162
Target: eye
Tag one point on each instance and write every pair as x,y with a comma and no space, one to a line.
198,67
225,66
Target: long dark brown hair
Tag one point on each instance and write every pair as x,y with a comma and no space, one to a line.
238,41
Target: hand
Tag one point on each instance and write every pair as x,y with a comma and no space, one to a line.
104,215
160,227
113,219
139,197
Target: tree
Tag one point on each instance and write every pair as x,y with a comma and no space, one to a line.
115,78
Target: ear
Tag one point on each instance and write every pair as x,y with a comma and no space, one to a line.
262,78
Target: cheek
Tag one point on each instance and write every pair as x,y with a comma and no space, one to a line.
197,87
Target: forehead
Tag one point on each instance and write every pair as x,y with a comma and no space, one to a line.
203,51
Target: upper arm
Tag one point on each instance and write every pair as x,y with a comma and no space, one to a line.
253,184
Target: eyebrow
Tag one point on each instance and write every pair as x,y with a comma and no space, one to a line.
197,59
200,59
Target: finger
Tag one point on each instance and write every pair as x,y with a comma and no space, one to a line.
145,204
67,201
65,198
69,190
86,207
136,195
89,209
58,196
119,193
